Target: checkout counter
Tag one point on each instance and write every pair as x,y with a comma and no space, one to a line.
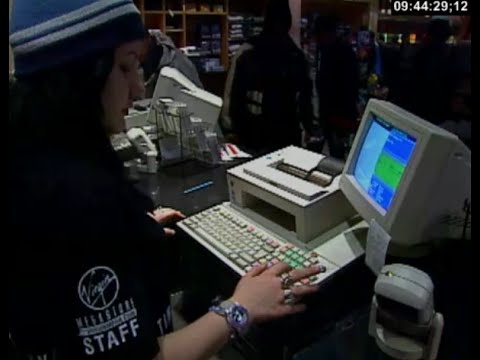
202,276
335,326
293,195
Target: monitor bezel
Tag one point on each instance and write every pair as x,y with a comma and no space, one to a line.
408,125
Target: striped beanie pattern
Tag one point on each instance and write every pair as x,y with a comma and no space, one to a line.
48,33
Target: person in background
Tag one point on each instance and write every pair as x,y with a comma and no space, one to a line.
337,86
433,76
268,94
86,271
377,63
163,52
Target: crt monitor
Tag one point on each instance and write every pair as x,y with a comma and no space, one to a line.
410,176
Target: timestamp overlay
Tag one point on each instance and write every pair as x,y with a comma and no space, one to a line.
430,8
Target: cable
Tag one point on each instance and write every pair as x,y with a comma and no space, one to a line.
466,207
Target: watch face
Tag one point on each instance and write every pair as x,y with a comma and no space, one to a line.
239,316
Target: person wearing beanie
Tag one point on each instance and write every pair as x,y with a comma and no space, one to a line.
87,277
268,94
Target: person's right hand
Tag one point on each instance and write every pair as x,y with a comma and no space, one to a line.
260,291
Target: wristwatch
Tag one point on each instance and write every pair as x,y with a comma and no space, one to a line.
235,315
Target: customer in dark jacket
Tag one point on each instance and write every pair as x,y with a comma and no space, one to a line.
337,85
433,78
269,91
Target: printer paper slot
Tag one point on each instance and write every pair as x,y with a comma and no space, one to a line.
270,212
314,176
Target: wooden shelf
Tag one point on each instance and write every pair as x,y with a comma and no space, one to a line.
181,21
206,13
200,13
173,12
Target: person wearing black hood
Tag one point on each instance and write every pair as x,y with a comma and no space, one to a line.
268,95
337,84
433,78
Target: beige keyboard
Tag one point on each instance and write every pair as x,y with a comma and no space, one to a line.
245,245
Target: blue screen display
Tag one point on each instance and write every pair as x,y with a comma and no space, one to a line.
384,156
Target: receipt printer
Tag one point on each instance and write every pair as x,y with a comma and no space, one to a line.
295,193
403,320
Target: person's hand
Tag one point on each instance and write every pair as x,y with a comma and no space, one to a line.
261,291
165,216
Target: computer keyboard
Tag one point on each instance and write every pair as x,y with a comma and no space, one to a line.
243,245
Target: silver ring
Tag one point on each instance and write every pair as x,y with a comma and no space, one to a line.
288,297
286,281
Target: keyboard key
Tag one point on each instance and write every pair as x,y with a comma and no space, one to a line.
291,263
220,247
268,248
307,263
247,257
260,254
240,262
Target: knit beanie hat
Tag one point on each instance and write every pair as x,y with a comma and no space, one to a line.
49,33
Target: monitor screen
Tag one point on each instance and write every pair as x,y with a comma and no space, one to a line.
384,155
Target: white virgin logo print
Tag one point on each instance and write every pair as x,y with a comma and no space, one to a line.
98,288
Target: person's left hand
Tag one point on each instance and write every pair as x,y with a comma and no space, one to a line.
164,216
